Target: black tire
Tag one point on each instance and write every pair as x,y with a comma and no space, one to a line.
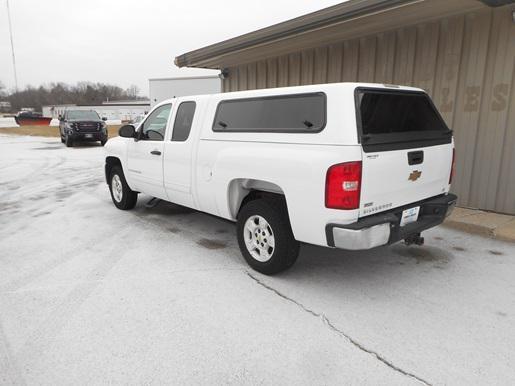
129,197
68,141
103,141
62,139
286,249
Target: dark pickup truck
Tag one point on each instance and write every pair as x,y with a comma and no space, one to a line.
82,125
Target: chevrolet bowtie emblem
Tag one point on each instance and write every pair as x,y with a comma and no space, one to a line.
415,175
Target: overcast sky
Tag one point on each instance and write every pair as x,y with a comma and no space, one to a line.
125,42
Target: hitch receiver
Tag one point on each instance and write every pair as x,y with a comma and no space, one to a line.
415,238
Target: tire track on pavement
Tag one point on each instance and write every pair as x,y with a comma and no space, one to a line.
42,338
10,373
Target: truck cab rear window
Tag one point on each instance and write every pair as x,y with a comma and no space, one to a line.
398,119
284,114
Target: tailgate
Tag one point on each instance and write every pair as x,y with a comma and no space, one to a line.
407,149
389,181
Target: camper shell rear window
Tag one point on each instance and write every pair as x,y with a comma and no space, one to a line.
398,119
294,113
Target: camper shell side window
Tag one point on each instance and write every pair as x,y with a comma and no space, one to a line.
294,113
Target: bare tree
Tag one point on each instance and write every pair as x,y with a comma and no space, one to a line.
133,91
83,93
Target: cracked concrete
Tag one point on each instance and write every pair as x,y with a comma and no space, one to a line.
93,295
329,324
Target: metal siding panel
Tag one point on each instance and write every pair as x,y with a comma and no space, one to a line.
294,67
233,79
350,61
261,74
367,59
493,115
271,75
385,57
307,67
506,190
472,70
252,76
447,66
282,71
320,66
243,78
405,55
334,67
425,56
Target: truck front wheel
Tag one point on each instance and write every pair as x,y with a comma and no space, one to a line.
265,237
123,197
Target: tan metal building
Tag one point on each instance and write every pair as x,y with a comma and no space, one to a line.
461,51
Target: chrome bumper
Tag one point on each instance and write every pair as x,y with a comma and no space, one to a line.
365,238
384,228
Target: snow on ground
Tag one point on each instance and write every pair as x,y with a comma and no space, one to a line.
7,122
10,122
92,294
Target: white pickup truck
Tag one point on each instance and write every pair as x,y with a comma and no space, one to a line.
344,165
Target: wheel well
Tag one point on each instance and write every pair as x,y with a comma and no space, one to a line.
243,190
110,162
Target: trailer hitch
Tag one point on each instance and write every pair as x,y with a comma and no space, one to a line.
415,238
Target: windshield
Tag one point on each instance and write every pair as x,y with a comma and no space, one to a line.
83,115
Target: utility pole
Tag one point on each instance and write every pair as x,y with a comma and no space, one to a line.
12,46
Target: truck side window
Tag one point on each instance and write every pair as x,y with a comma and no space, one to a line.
154,127
294,113
183,121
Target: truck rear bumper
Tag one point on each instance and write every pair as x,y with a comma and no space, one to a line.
384,228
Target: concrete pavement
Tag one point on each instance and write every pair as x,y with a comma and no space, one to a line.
91,294
487,224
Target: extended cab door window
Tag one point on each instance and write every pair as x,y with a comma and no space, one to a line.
183,121
154,127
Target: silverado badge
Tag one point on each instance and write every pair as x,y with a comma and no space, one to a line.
415,175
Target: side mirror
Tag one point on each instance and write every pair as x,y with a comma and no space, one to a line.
104,119
127,131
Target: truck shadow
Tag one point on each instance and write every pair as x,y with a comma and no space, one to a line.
214,233
382,260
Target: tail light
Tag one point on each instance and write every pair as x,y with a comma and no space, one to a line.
453,165
343,186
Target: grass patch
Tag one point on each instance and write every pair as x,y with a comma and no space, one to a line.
48,131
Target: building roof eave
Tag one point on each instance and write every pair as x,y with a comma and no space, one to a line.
350,16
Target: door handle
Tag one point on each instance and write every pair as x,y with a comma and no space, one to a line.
155,152
415,157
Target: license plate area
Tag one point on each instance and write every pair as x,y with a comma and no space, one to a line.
88,135
409,215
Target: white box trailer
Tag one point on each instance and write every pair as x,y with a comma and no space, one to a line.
113,111
166,88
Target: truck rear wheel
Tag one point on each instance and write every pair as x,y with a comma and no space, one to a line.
123,197
265,237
